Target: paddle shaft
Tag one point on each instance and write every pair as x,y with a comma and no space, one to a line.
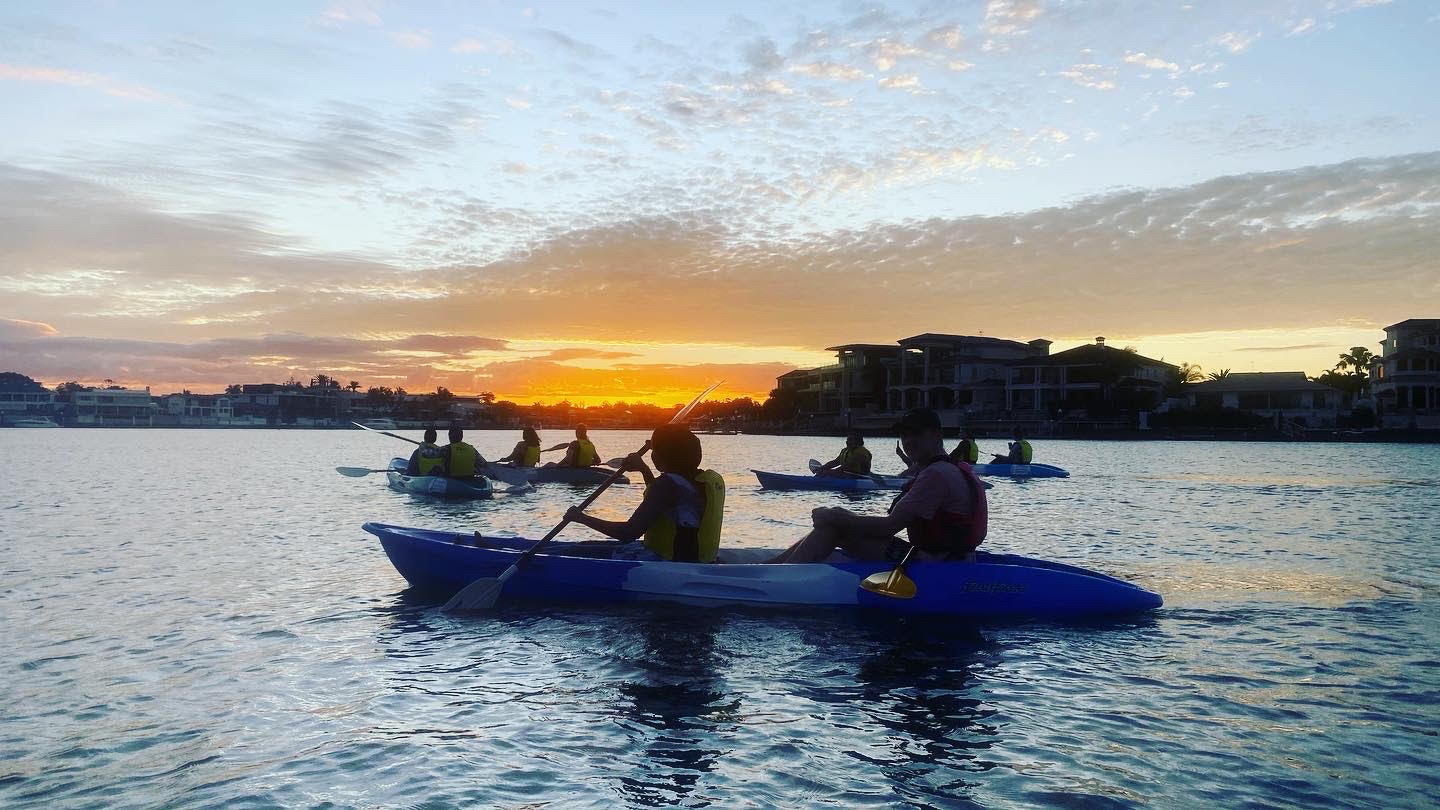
615,476
386,433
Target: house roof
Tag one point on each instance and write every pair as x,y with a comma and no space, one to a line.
1257,382
937,339
891,347
1092,354
1416,323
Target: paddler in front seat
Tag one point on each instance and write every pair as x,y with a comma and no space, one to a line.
428,458
1020,451
461,460
681,514
942,508
853,460
527,450
581,452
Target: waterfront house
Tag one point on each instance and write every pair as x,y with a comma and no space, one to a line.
198,409
15,405
112,406
1095,381
1405,378
1286,397
966,373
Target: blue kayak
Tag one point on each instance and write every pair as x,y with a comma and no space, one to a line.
994,586
588,476
436,485
1021,470
828,483
832,483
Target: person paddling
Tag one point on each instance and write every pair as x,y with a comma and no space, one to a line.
966,451
428,458
683,508
942,509
579,453
853,460
1020,451
461,460
527,451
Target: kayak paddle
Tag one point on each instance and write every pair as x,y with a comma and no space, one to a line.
356,472
815,466
483,592
517,480
894,584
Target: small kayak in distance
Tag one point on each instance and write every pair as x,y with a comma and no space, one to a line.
828,483
1021,470
591,476
437,485
832,483
994,586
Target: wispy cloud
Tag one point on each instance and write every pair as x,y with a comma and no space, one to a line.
74,78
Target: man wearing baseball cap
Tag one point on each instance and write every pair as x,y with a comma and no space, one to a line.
942,509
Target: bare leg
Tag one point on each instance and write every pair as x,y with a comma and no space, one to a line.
814,546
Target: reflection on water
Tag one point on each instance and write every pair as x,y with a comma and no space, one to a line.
676,703
193,633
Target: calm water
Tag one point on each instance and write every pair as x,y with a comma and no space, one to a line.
195,618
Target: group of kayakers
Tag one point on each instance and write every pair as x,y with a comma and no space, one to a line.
942,509
855,458
460,460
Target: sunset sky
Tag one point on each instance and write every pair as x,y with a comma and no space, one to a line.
630,201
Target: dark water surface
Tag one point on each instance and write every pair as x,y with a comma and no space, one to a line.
195,618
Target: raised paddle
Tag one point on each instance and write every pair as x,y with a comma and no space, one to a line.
894,584
517,479
483,592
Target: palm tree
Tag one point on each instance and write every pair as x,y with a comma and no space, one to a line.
353,386
1218,375
1357,362
1190,373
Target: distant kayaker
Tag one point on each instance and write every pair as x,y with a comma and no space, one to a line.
1020,451
966,451
527,450
461,460
428,458
579,453
853,460
942,509
681,514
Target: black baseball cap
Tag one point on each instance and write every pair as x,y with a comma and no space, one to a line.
918,420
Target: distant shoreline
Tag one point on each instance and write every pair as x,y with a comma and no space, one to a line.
1390,436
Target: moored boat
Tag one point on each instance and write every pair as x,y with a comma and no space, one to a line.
35,422
994,586
436,485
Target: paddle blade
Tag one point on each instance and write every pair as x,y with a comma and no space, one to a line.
355,472
815,466
478,595
679,417
893,584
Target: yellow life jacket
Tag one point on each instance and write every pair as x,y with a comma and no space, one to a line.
1025,452
970,452
531,457
584,454
704,541
462,460
855,460
431,460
